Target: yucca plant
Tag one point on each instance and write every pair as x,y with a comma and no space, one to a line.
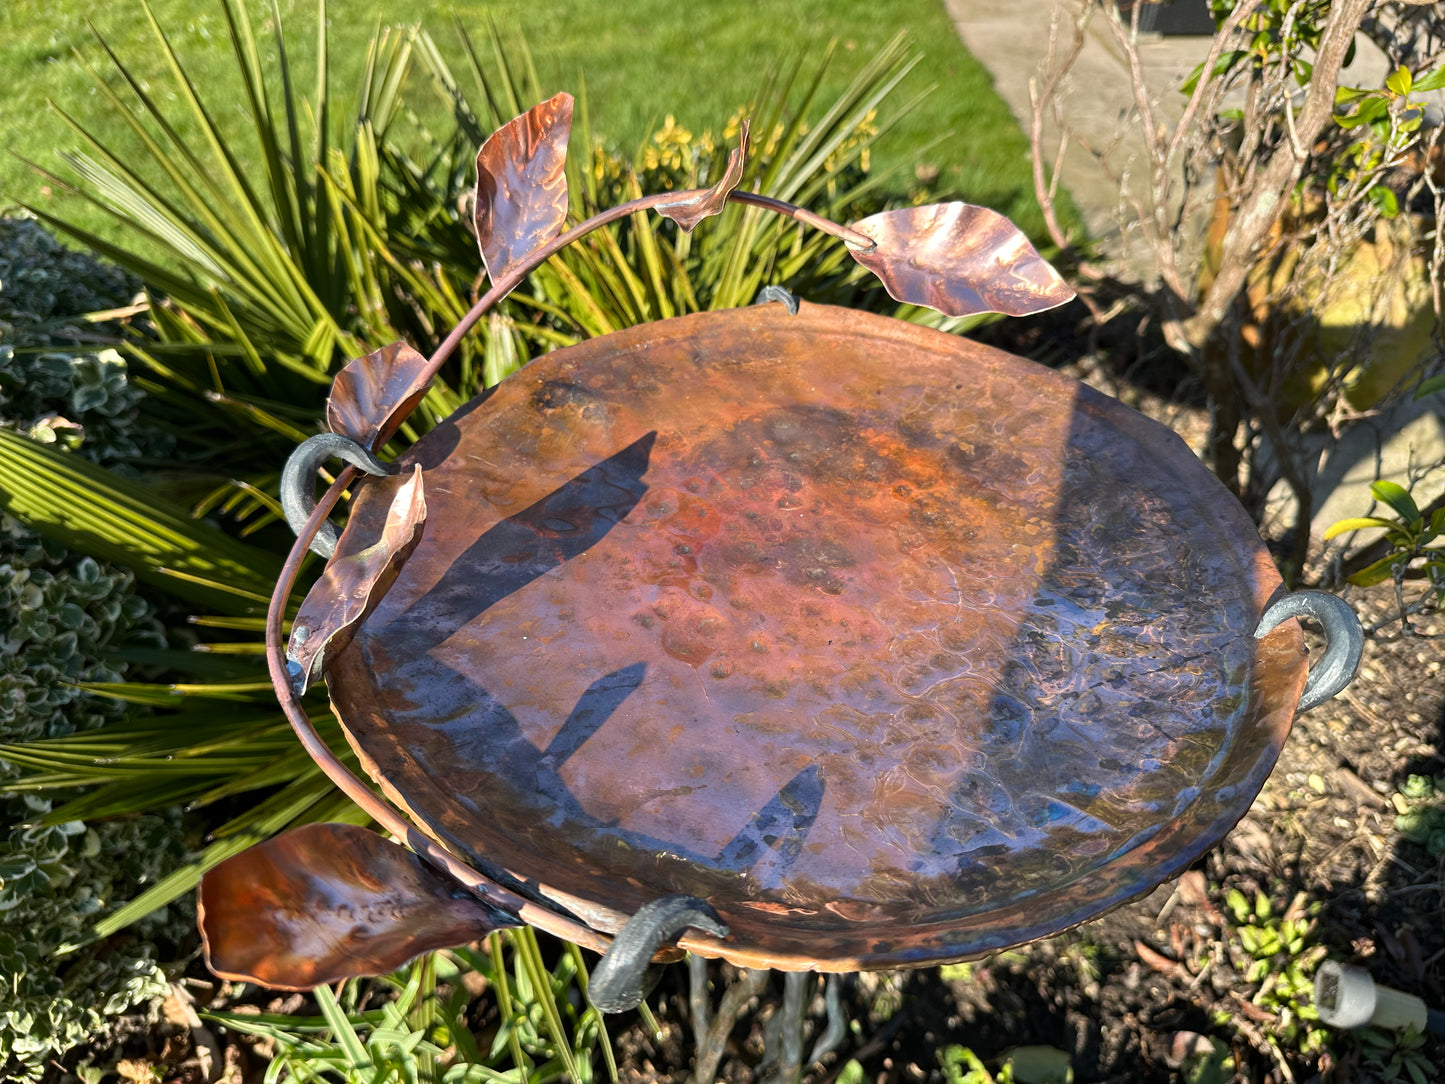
646,268
260,285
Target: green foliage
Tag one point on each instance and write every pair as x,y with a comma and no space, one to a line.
1420,809
961,1065
1280,31
67,618
1380,124
74,874
1022,1065
956,972
89,508
648,269
1415,540
1386,123
45,288
64,615
270,270
1275,954
421,1031
48,379
1395,1055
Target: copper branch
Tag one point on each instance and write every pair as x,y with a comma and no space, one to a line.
514,275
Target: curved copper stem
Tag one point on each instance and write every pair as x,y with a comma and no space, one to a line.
391,820
517,273
805,216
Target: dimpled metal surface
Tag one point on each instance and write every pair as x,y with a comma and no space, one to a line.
893,647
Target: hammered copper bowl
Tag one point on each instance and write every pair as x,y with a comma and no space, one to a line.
893,647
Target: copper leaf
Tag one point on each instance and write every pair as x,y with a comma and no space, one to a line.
372,395
327,902
521,187
692,207
351,586
958,259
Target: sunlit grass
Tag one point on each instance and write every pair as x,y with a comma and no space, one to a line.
639,61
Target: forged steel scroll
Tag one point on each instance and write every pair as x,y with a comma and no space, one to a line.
692,208
522,185
372,395
327,902
958,259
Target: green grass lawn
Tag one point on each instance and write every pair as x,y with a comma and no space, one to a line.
638,59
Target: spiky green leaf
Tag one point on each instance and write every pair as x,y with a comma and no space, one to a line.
92,510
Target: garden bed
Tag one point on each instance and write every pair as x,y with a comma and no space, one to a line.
1129,996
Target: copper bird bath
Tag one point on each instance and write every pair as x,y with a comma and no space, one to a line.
792,635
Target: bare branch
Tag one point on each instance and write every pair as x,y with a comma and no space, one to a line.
1054,73
1206,86
1259,214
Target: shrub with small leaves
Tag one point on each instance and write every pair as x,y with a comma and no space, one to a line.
54,384
44,286
62,618
1420,805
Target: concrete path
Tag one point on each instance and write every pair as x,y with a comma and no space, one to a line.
1011,39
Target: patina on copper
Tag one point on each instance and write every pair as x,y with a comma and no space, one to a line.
958,259
352,586
522,185
372,395
328,902
692,207
893,648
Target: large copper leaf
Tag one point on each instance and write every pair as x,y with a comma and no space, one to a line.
692,207
327,902
521,186
351,586
958,259
372,395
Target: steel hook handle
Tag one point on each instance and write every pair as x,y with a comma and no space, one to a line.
298,493
1344,641
624,976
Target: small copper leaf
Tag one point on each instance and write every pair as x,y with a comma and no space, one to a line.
350,587
373,395
327,902
693,206
521,184
958,259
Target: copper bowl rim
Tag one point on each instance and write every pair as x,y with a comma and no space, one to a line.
588,922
